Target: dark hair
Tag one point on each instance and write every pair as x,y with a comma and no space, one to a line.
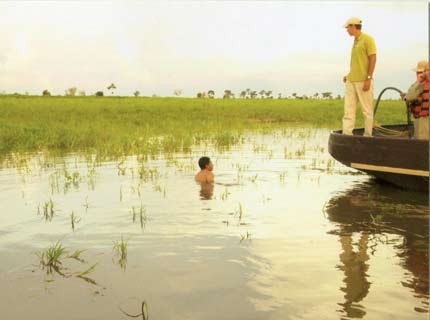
203,162
357,26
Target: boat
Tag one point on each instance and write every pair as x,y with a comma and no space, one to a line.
391,154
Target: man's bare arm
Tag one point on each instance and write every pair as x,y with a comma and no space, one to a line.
372,64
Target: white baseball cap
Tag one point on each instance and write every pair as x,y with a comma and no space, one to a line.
353,20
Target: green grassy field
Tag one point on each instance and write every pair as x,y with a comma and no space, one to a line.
125,125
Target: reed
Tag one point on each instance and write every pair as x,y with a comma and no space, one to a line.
50,259
74,220
120,252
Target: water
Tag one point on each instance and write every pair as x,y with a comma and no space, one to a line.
285,233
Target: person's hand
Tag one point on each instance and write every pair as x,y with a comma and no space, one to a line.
344,79
366,85
403,95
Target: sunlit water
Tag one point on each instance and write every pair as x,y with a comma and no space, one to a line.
285,233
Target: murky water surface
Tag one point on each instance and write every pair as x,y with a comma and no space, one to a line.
285,233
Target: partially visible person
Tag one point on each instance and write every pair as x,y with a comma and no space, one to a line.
206,190
205,175
417,99
359,81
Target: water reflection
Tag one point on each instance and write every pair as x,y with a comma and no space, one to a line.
371,214
355,267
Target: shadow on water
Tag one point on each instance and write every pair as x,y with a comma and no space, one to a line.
372,214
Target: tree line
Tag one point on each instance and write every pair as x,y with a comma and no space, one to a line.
210,94
265,94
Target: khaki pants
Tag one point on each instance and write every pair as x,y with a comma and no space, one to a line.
353,94
421,128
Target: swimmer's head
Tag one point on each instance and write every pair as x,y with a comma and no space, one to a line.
205,163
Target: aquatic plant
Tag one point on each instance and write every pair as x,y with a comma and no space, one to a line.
48,210
240,212
144,312
77,255
50,258
142,214
74,220
120,252
225,194
86,204
246,236
83,274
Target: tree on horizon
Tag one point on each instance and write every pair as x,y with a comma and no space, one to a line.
112,87
71,92
228,94
178,92
326,95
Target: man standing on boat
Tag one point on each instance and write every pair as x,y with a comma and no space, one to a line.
359,81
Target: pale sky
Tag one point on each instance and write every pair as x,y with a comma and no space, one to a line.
157,47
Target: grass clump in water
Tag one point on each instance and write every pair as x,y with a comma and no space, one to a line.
74,220
52,259
120,252
48,210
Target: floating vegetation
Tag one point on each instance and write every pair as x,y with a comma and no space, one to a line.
120,253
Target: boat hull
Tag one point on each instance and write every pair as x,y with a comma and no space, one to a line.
401,161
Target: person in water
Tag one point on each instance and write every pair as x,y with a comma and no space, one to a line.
205,175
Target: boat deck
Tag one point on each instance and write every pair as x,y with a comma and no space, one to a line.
390,154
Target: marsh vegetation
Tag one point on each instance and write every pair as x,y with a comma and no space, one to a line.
112,182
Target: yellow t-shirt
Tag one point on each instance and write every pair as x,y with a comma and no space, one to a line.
362,48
